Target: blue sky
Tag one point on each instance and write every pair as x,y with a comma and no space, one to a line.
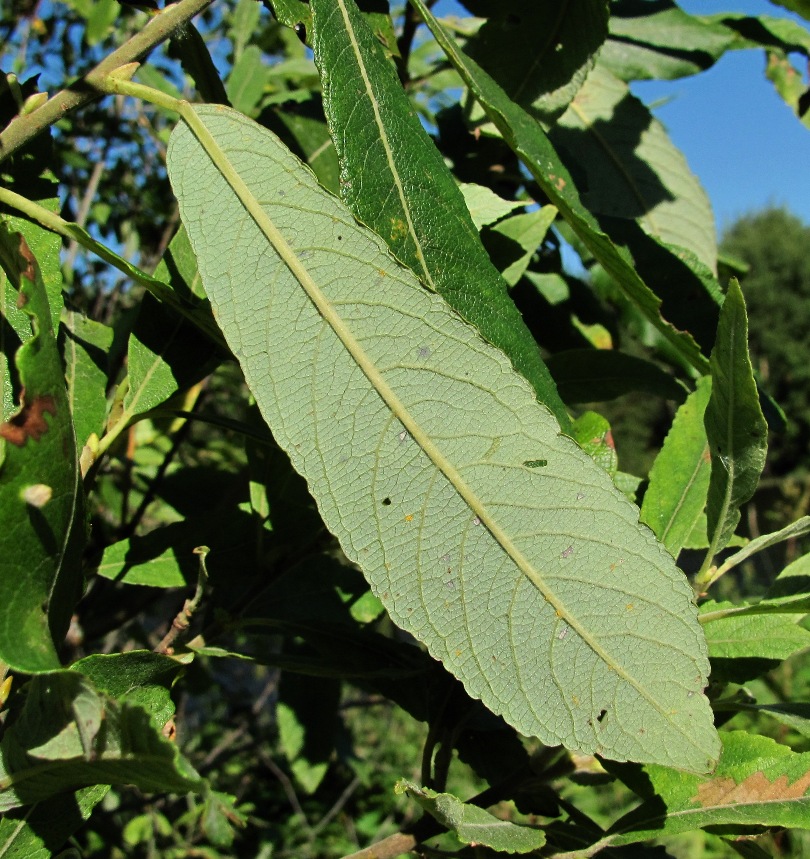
739,137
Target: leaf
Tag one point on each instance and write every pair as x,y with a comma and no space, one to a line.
735,426
632,168
790,532
485,206
38,832
471,824
307,720
247,80
85,348
662,42
597,375
528,140
395,180
789,84
796,715
525,233
540,54
679,478
165,354
67,735
42,526
736,638
758,782
592,433
535,586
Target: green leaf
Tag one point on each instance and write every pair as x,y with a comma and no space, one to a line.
741,637
395,180
522,234
679,478
247,80
735,426
67,735
597,375
244,23
39,831
42,527
662,42
307,719
540,53
485,206
85,349
102,15
528,140
535,586
795,530
789,84
474,825
592,433
632,168
165,354
796,715
758,782
306,133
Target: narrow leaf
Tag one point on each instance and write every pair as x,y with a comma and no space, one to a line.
42,528
758,782
85,348
395,180
535,586
735,426
485,205
474,825
528,140
790,532
679,478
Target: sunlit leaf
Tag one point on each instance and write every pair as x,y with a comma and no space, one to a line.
532,585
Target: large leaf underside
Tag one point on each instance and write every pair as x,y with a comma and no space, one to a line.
493,539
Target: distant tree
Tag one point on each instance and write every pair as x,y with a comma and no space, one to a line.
774,244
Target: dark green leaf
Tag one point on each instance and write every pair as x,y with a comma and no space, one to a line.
735,427
541,53
395,180
596,375
67,735
525,136
42,527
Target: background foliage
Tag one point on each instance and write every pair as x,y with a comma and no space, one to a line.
256,699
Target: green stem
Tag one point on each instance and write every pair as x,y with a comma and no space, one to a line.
86,89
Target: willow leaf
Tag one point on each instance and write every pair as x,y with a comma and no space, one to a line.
394,179
534,585
526,138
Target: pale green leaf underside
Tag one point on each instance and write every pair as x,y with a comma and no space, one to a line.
535,586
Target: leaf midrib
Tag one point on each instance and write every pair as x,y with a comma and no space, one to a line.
389,155
397,407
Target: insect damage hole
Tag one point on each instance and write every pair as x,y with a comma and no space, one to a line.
386,502
601,717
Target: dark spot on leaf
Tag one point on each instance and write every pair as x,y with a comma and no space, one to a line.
29,422
386,501
301,31
535,463
340,238
601,716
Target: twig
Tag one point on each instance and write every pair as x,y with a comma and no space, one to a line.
287,787
182,621
84,90
336,808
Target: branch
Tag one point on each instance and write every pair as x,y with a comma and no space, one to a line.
23,128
